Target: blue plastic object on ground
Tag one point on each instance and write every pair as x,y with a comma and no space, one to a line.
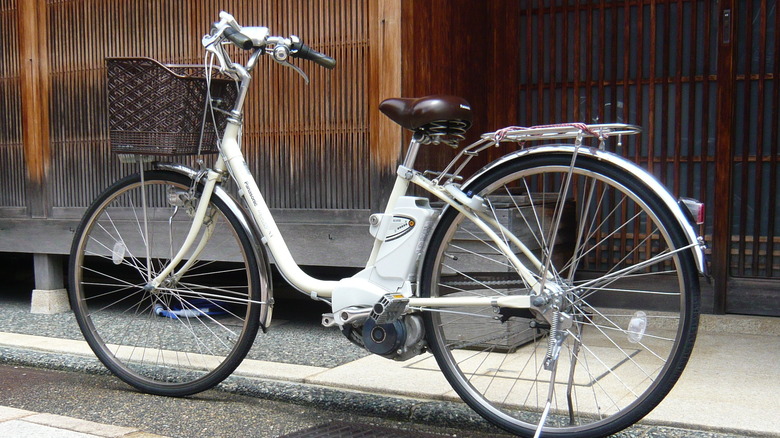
191,309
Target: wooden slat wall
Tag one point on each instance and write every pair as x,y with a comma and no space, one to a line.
12,177
706,103
755,247
308,146
646,63
639,62
78,43
542,61
650,62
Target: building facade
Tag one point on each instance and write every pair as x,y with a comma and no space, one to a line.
700,76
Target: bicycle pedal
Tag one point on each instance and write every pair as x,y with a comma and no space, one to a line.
389,308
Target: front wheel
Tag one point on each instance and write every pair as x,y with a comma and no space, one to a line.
193,330
623,284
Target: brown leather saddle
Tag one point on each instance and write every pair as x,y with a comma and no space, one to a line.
439,118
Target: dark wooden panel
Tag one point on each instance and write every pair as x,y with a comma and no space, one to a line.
651,63
542,61
645,63
448,48
755,231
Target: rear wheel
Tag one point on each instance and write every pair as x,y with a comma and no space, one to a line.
618,271
188,334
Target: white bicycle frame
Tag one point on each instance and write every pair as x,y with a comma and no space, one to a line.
231,160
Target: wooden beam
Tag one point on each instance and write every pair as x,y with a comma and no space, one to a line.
34,86
385,78
724,153
315,237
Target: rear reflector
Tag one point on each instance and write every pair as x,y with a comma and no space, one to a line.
695,208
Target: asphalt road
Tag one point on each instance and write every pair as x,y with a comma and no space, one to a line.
105,399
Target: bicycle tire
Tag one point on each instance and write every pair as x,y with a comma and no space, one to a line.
187,335
497,367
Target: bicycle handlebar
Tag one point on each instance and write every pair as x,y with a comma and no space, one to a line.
257,38
301,50
238,38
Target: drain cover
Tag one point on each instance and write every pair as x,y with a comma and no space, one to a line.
340,429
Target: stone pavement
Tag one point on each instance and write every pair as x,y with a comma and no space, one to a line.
731,384
19,423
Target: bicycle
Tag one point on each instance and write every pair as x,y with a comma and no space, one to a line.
557,287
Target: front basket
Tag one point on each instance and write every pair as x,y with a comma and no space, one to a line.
157,109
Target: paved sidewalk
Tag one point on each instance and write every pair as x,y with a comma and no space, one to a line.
19,423
731,385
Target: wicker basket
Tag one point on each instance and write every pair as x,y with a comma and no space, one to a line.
157,110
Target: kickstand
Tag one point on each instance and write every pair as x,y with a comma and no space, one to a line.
550,395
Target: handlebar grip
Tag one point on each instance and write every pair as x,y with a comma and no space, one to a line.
239,39
305,52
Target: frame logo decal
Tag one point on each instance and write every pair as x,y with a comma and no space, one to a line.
399,227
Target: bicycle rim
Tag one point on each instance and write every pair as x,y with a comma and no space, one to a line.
627,286
191,332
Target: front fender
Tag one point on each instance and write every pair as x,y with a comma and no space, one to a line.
260,253
639,173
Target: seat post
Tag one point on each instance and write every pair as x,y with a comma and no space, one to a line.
411,152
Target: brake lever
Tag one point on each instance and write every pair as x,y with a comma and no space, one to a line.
281,54
297,70
218,51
